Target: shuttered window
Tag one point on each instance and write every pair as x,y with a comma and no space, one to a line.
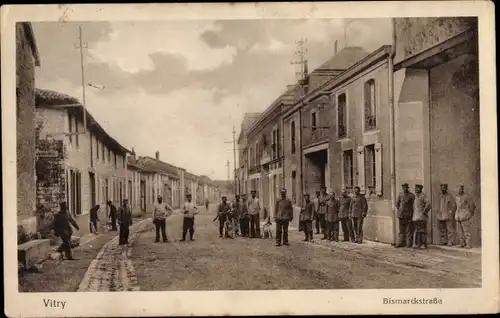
378,169
314,120
361,168
342,115
292,134
347,170
370,105
370,169
70,128
294,186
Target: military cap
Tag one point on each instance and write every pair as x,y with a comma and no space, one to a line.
419,186
404,185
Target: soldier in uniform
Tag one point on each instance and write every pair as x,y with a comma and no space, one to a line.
190,210
404,206
322,201
235,214
357,213
62,228
284,215
421,208
306,217
316,210
446,216
113,214
125,221
466,209
344,203
332,219
244,217
222,214
254,212
161,211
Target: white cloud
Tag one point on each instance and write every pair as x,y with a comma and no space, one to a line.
129,47
274,47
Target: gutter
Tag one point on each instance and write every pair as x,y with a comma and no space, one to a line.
392,137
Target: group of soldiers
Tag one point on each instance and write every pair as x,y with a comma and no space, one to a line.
329,213
454,213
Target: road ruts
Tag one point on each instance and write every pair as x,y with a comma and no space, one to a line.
112,268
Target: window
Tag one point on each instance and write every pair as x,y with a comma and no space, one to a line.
76,130
91,151
250,156
124,159
97,147
257,153
274,145
294,186
348,171
370,179
109,155
313,120
278,142
370,105
292,134
342,115
70,127
116,165
103,149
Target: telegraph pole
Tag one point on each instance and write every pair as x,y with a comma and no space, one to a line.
81,47
234,164
301,55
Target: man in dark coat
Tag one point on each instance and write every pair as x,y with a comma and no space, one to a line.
222,214
357,212
306,217
244,217
113,214
62,228
332,219
344,203
125,221
404,206
283,217
322,208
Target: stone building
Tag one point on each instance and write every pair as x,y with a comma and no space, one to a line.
27,59
91,165
436,91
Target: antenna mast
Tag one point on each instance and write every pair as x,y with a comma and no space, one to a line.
301,60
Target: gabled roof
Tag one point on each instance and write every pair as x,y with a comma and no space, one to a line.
55,100
344,59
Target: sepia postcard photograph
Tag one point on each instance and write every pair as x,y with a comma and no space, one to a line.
316,158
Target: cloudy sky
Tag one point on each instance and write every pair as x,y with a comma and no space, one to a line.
180,86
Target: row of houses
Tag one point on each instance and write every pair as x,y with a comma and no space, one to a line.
404,113
64,154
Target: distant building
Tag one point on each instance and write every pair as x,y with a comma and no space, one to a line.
27,59
81,167
248,120
436,92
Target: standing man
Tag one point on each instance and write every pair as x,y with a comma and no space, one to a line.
235,214
466,208
160,213
357,212
207,202
322,202
244,221
446,216
404,206
190,210
94,219
284,214
345,202
421,208
113,215
62,228
222,214
125,221
316,210
332,219
307,216
254,212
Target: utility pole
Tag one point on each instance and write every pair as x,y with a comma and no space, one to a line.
234,162
301,55
81,47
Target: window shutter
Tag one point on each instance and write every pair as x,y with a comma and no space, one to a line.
342,175
378,168
361,168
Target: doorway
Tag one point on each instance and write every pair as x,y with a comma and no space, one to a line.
316,167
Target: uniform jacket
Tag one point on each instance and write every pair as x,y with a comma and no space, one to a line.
284,209
254,206
358,206
447,207
124,216
332,213
223,209
236,208
323,200
244,210
344,203
189,209
307,212
112,211
465,207
93,214
421,207
62,224
161,211
404,205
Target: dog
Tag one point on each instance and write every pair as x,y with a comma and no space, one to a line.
228,229
266,229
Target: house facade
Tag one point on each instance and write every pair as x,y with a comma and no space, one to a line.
89,166
27,59
243,156
436,85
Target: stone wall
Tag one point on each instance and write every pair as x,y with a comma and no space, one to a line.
50,180
25,143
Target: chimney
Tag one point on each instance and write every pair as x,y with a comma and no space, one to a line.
157,155
336,46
